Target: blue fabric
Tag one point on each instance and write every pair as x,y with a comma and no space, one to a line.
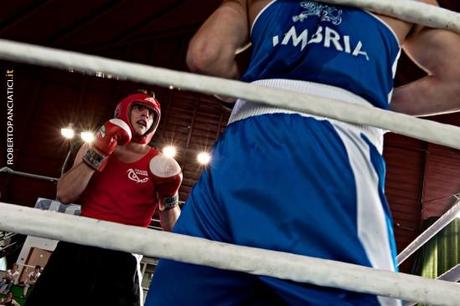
335,45
281,182
379,165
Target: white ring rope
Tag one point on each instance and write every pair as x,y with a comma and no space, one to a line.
412,11
426,130
87,231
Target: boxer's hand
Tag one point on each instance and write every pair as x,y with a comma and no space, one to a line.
167,177
114,132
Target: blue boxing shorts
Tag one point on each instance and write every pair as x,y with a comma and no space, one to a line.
288,182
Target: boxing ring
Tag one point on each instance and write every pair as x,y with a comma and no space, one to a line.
282,265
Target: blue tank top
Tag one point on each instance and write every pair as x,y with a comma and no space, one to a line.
335,45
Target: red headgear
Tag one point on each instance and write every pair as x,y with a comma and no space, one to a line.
123,112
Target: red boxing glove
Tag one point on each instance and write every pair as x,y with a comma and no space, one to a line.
114,132
167,177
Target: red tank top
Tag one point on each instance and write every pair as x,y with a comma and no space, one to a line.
122,193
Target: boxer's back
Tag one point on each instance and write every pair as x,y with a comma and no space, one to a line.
335,45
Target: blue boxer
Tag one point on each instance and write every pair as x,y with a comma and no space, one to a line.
294,182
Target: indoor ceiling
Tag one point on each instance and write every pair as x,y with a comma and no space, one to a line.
421,176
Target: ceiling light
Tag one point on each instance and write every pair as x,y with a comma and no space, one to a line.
87,136
67,133
203,158
169,151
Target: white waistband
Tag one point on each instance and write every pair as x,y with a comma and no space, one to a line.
244,109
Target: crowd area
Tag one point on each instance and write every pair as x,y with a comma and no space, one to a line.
12,290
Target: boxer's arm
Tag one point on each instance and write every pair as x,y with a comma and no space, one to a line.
437,52
212,49
72,184
168,218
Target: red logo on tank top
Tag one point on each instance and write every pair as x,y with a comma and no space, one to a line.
138,176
